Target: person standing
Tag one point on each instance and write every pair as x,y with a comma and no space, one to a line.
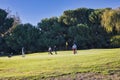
66,45
23,53
55,49
50,50
74,47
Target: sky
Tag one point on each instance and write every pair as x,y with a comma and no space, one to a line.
33,11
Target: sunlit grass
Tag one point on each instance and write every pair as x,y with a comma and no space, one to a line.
42,65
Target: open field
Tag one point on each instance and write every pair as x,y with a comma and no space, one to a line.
43,66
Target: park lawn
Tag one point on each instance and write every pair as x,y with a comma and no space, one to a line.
42,65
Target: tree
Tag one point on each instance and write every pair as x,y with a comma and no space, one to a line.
24,35
5,24
111,21
52,33
80,35
77,16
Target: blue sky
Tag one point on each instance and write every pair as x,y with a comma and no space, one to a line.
32,11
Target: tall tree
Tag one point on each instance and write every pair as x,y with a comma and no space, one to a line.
77,16
80,35
111,20
52,32
6,22
24,35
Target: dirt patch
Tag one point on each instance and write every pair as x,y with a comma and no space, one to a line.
86,76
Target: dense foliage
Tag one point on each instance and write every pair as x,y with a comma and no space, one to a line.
88,28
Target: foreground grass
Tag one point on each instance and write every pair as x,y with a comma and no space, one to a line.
42,65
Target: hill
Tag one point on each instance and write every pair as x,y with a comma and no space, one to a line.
85,64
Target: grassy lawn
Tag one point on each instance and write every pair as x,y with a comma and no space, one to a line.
42,65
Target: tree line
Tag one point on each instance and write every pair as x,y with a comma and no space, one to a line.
88,28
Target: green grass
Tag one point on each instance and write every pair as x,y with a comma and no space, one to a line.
42,65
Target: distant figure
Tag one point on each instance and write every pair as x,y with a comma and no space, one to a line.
74,47
66,45
55,49
23,53
50,50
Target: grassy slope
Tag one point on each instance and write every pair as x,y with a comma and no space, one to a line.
42,65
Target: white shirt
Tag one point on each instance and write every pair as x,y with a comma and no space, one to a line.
74,46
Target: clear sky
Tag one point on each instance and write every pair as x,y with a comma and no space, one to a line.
32,11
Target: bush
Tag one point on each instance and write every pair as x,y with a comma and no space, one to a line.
115,41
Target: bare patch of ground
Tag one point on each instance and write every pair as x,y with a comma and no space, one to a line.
86,76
